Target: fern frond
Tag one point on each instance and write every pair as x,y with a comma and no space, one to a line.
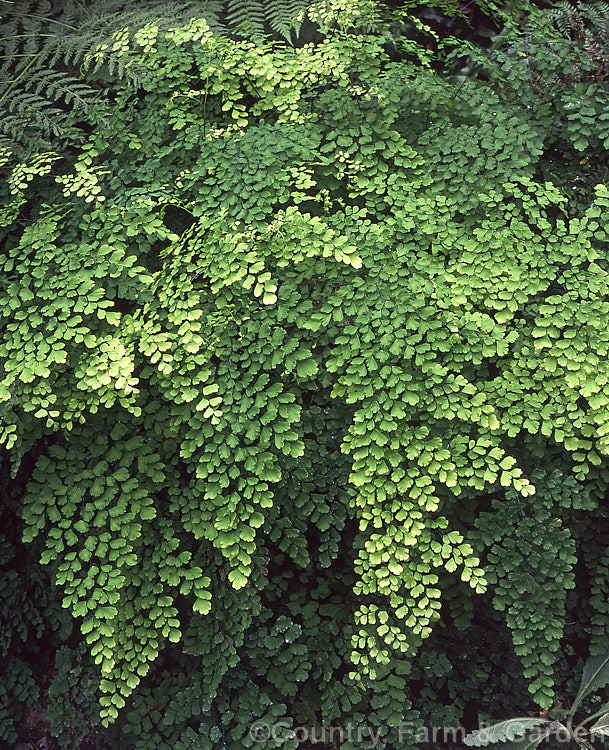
285,16
246,16
60,87
588,22
31,118
562,14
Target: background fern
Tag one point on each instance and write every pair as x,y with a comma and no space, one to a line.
46,48
583,22
56,59
228,545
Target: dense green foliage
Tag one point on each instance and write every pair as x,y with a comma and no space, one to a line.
303,390
56,58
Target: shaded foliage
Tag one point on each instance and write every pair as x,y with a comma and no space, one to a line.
303,386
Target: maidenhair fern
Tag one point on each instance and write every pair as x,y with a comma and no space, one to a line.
530,561
303,366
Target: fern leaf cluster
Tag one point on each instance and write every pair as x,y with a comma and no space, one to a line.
574,20
43,46
304,385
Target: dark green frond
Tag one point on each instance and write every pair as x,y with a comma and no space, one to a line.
285,16
247,16
587,23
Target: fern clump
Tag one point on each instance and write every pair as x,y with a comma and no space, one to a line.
55,59
303,365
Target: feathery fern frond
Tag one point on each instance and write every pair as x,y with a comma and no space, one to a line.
597,14
47,50
581,21
285,16
246,16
